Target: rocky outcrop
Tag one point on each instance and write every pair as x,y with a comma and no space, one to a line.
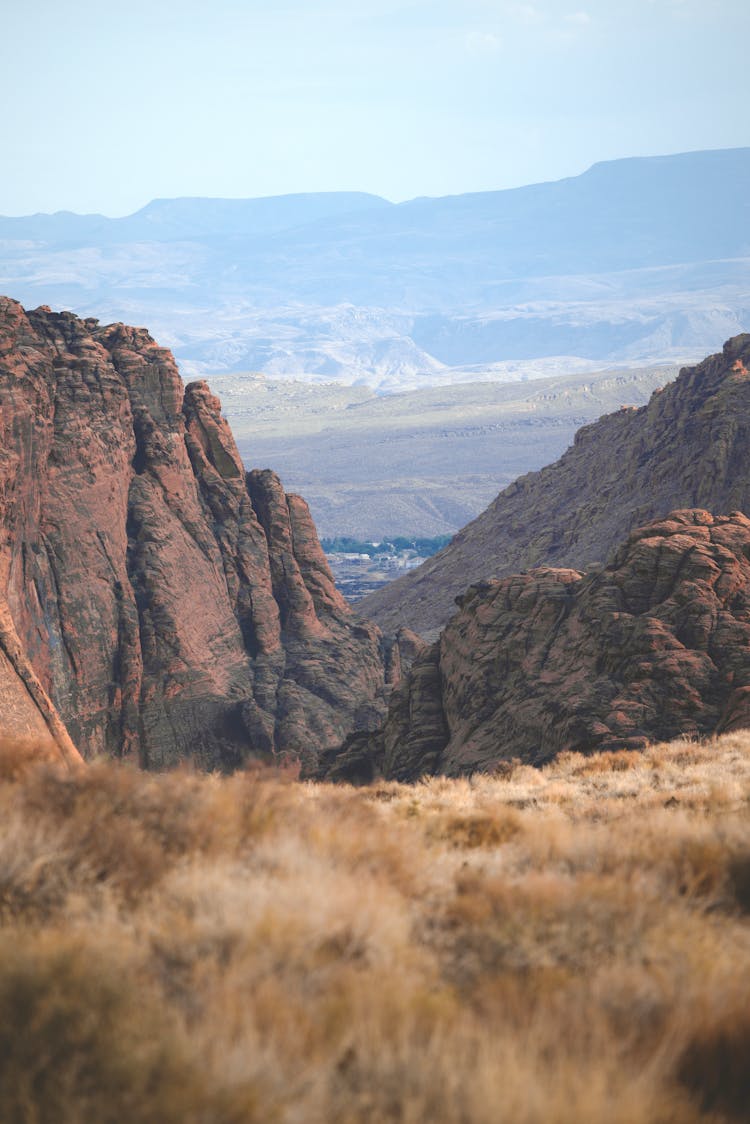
164,603
689,447
654,645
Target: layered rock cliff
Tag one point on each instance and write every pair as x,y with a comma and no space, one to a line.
157,602
654,645
689,447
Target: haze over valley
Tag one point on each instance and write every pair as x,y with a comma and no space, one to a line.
598,286
636,261
422,462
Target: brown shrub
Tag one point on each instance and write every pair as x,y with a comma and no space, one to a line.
701,865
37,874
477,829
18,756
80,1041
715,1062
610,761
169,809
127,829
738,873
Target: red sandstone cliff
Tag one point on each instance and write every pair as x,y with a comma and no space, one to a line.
652,646
155,601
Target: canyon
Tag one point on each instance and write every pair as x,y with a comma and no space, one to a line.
161,604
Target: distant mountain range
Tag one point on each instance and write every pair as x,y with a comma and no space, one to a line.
641,259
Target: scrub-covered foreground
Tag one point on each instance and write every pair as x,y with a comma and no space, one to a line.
554,945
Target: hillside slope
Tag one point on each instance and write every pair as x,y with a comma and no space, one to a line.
687,448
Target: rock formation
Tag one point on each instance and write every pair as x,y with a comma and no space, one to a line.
689,447
654,645
156,602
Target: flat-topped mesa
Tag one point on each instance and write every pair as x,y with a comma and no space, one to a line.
170,605
689,447
655,645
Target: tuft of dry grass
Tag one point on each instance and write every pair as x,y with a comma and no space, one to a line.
78,1041
550,946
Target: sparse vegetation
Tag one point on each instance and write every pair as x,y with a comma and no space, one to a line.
425,547
562,945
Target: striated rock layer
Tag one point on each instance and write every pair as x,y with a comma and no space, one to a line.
157,602
689,447
654,645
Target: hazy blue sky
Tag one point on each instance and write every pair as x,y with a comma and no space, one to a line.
108,105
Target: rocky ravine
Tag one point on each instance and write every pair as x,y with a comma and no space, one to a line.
157,602
652,646
687,448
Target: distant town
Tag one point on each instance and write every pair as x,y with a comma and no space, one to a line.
360,568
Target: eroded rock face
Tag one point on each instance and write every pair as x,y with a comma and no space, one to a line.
26,710
168,604
362,757
689,447
652,646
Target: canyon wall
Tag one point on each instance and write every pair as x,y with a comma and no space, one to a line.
157,602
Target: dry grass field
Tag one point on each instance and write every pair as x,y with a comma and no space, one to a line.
555,946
